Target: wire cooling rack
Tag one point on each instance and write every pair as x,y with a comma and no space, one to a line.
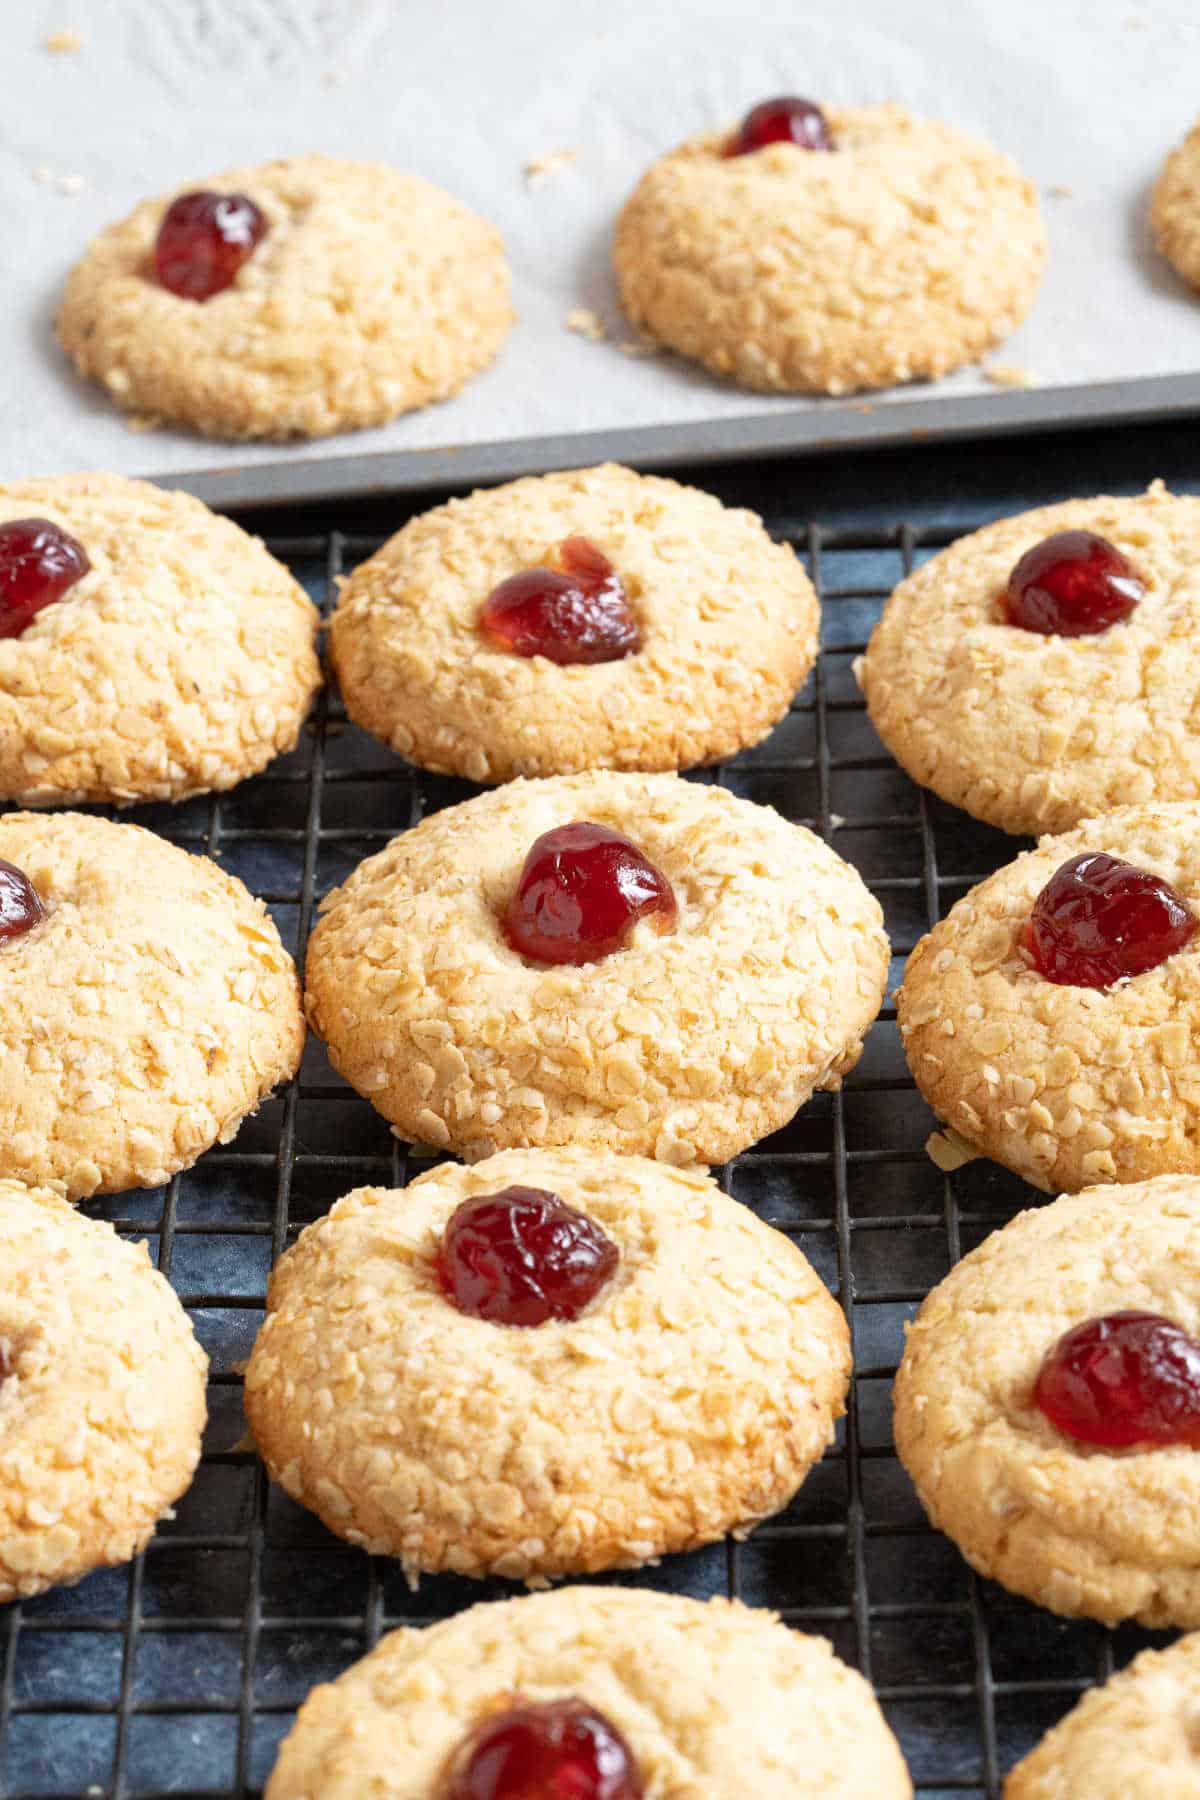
180,1674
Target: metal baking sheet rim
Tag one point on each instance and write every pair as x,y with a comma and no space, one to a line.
844,425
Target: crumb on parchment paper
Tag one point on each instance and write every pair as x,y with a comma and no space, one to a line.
64,42
587,323
541,169
1060,190
1009,375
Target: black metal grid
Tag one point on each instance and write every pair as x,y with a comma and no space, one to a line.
180,1674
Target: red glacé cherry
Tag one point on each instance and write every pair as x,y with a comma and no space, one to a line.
786,120
39,561
577,613
203,241
1127,1378
20,908
523,1256
1099,918
559,1750
582,889
1074,584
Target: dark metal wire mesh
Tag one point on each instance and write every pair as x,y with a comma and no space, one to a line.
181,1673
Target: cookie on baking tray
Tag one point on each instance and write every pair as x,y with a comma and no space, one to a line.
632,962
102,1399
610,1692
149,649
1048,1404
1135,1738
148,1004
300,297
828,250
589,619
1044,669
564,1361
1051,1019
1175,207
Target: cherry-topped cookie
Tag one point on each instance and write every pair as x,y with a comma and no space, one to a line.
589,619
632,961
1051,1018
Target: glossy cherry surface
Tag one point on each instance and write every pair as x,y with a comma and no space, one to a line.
1099,918
1074,584
559,1750
577,612
582,889
203,241
39,561
523,1256
788,119
1127,1378
20,908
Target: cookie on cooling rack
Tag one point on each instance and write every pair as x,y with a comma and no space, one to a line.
1175,207
148,648
829,249
631,962
1051,1018
566,1361
614,1692
1048,1404
1135,1738
102,1399
591,619
293,299
1043,669
148,1004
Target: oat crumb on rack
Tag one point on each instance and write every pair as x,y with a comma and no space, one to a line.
949,1151
64,42
587,323
1009,375
541,169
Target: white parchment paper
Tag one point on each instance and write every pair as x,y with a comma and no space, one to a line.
1088,94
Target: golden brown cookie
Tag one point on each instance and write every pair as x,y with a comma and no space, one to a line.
1175,207
906,250
1032,732
687,1046
143,1017
183,660
1135,1738
372,292
688,1399
727,621
715,1700
102,1398
1066,1085
1081,1529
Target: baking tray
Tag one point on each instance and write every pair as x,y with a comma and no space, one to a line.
179,1674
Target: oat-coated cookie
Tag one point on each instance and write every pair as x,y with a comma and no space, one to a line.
373,292
1175,207
151,1009
688,1400
716,1700
687,1047
728,624
101,1394
907,250
1065,1085
1083,1531
1135,1738
183,661
1034,733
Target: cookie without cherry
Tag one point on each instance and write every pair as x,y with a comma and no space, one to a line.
1175,207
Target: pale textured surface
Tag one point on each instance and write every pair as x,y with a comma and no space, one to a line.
183,661
1066,1085
687,1046
372,292
1034,733
688,1400
728,622
1085,1531
716,1701
906,250
148,1013
1136,1738
1175,208
101,1415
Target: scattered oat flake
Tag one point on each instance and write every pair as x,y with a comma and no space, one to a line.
140,421
587,323
541,169
1060,190
949,1151
1009,375
336,77
43,174
64,42
70,184
636,347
